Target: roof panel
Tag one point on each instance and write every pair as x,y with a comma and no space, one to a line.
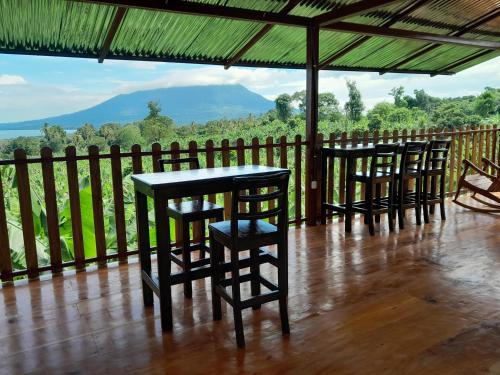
72,28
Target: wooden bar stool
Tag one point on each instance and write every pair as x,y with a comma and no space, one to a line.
249,231
196,210
382,169
434,168
410,168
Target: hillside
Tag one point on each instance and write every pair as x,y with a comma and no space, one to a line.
184,104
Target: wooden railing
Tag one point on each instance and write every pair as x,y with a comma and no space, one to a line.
53,200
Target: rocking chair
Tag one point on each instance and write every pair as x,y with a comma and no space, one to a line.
482,185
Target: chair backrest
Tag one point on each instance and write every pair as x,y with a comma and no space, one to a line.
193,163
437,155
412,157
256,191
384,159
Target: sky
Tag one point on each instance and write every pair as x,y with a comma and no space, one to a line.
34,87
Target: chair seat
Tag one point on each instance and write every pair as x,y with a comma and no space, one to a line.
407,174
194,210
251,234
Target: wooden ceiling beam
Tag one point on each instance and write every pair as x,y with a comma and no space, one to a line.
351,10
260,34
113,28
457,33
397,17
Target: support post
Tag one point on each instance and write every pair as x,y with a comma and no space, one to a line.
312,151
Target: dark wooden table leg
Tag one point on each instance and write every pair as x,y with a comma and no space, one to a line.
143,243
348,194
164,264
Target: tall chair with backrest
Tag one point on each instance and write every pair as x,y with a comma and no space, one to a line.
410,168
434,168
382,169
250,228
186,212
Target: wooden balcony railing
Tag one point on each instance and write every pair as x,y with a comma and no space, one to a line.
76,210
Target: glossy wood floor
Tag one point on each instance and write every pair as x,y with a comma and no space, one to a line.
425,300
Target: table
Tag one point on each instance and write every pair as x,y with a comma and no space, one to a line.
163,186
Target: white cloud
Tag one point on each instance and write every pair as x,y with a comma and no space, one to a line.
141,65
6,79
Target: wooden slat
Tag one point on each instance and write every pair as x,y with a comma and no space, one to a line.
74,204
25,205
156,155
451,173
210,160
136,159
460,152
413,135
494,148
226,163
117,179
319,178
364,162
240,160
487,150
283,152
175,154
480,146
256,159
298,179
467,143
342,171
49,188
330,171
474,146
5,258
97,205
197,231
270,163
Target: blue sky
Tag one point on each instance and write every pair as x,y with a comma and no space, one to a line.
33,87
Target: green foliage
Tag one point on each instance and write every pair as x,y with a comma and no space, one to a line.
354,107
284,106
54,136
128,136
488,103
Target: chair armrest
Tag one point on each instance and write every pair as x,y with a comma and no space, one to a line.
487,162
469,164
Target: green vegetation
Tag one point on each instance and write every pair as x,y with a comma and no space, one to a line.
416,111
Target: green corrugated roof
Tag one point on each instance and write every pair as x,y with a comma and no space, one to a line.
72,28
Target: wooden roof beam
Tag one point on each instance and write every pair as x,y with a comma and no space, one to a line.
351,10
262,32
113,28
463,30
397,17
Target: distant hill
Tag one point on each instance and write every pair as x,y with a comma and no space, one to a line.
184,104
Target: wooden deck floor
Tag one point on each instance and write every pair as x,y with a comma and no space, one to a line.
425,300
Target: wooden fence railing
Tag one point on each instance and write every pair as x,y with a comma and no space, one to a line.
69,211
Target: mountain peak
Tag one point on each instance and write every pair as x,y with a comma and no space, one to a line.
184,104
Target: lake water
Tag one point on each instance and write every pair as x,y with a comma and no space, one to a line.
9,134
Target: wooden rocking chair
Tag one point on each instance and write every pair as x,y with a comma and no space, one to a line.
482,185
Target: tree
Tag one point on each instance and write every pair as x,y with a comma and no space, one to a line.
354,106
154,110
328,107
110,133
128,136
84,136
487,103
300,98
422,100
398,94
284,106
29,144
54,137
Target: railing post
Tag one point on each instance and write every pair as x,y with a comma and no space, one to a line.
25,206
298,179
49,189
5,258
117,179
97,206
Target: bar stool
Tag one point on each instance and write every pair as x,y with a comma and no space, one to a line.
434,168
410,168
382,168
196,210
249,231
